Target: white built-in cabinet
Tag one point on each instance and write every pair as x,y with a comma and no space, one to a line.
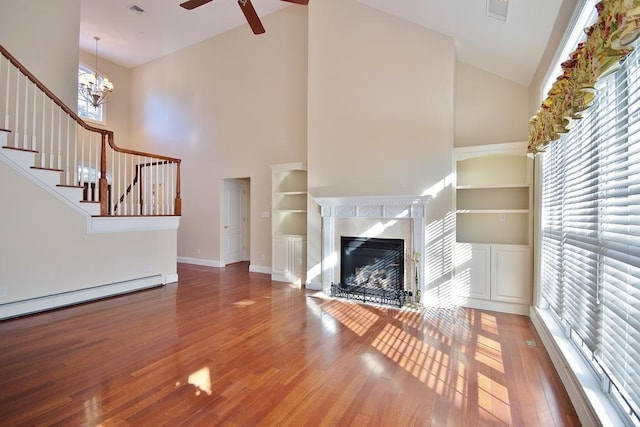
493,227
289,222
289,254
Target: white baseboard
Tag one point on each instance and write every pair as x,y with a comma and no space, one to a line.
259,269
590,402
503,307
20,308
170,278
198,261
280,278
316,286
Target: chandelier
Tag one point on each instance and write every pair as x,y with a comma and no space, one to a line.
93,87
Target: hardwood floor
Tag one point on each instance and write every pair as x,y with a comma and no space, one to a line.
228,347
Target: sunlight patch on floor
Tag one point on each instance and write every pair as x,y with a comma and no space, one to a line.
488,323
493,400
201,380
428,364
489,352
355,317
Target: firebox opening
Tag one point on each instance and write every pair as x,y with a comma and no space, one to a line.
371,269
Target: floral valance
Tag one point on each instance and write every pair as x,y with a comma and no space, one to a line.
607,43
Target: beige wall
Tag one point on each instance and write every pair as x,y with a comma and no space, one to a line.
43,36
228,107
118,107
563,21
489,109
46,250
381,93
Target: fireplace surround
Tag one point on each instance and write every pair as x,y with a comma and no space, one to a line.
408,213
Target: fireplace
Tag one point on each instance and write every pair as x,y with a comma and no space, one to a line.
371,269
383,217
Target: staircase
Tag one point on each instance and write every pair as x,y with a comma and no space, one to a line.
47,139
24,161
129,200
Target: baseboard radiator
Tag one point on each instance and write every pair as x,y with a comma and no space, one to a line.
49,302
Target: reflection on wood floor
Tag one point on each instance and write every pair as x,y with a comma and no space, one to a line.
229,347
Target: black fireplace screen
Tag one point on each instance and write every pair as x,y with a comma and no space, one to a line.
371,269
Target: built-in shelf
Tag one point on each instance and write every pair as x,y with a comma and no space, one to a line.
493,199
289,222
290,193
493,227
493,194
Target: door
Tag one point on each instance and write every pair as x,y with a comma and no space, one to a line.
281,256
472,271
480,286
510,281
235,195
298,258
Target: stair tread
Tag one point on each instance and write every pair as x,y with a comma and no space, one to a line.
4,130
89,201
70,186
21,149
47,169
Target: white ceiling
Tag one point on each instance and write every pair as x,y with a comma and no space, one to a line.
509,49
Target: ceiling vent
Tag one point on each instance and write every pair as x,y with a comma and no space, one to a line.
137,9
498,9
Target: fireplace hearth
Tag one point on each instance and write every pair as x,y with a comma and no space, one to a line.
371,270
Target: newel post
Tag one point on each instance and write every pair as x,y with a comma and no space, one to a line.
103,194
178,203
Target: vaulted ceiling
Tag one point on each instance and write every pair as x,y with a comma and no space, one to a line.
511,48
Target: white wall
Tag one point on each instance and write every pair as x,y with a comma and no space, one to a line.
489,108
46,250
381,117
228,107
563,21
118,106
43,36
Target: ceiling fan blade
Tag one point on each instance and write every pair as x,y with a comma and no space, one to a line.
304,2
192,4
251,15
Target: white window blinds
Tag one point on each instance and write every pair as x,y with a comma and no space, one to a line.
590,254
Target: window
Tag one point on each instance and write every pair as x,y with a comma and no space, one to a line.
590,250
85,109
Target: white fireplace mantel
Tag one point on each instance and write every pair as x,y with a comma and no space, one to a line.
396,207
412,208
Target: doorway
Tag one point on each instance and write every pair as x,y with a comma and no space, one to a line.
235,224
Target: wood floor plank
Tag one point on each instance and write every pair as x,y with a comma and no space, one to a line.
229,347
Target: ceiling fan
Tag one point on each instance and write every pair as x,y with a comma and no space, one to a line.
247,8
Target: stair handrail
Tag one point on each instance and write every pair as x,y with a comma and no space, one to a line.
107,137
